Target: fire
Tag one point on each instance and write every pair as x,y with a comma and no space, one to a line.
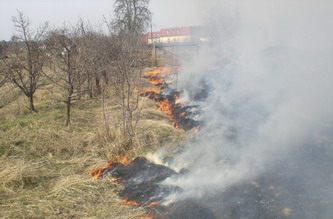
119,159
163,70
98,172
176,125
159,75
116,179
151,90
126,202
152,204
157,80
156,77
151,93
166,107
178,101
154,72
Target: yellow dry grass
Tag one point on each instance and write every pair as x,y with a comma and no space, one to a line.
43,164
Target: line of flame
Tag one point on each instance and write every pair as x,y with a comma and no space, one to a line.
97,173
152,205
126,202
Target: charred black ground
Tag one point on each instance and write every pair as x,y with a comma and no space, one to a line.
141,179
182,114
140,182
280,193
267,197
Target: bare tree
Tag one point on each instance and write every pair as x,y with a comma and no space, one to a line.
8,92
94,57
125,79
63,47
128,58
3,75
132,16
26,59
3,48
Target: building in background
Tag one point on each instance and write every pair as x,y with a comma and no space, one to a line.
152,37
178,35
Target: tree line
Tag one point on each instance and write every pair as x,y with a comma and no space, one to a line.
79,60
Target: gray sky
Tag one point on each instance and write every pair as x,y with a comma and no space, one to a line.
167,13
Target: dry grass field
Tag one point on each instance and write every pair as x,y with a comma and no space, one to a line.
44,164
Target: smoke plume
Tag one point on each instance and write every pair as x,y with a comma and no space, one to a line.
268,117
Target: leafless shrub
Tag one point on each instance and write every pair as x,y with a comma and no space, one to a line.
128,59
65,53
94,57
25,62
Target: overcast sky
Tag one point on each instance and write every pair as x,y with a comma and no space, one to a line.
166,13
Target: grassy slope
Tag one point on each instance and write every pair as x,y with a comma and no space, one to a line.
43,164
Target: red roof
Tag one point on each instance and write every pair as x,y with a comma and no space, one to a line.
155,35
177,31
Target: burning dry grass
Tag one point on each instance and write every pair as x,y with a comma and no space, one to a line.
43,165
167,97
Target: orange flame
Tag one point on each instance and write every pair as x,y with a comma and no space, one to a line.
97,173
126,202
152,90
166,107
158,76
119,159
162,70
152,204
154,72
157,80
116,179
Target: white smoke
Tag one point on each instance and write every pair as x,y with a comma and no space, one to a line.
270,97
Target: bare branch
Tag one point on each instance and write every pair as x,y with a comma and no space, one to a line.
25,62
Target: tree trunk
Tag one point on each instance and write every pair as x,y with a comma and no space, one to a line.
68,119
31,103
90,88
98,85
106,79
